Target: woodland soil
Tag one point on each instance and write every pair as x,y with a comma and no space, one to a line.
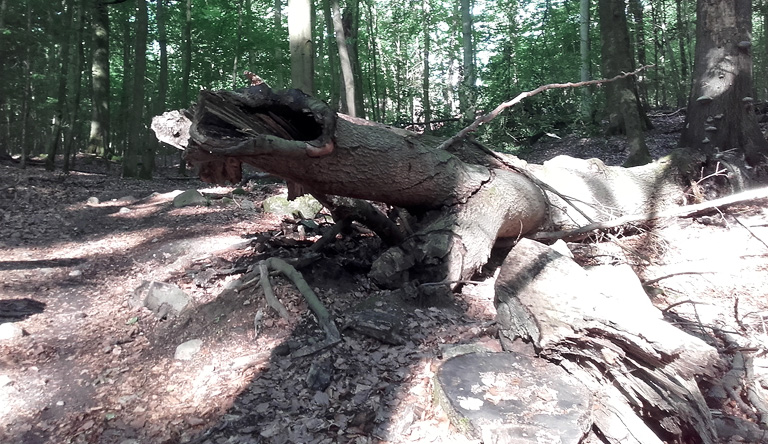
91,368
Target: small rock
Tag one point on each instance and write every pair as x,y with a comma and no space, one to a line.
127,199
92,200
162,298
124,210
185,351
190,198
9,330
247,205
75,273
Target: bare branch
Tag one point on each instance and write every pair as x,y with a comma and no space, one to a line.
493,114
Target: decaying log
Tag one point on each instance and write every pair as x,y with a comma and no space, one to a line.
603,329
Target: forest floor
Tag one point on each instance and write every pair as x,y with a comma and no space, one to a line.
90,368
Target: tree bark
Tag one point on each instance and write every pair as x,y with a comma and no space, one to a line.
61,97
720,109
98,142
301,45
349,103
425,96
468,79
586,66
626,115
465,196
137,143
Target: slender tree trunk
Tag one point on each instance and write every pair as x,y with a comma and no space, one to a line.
425,97
681,34
351,22
301,45
162,40
61,98
137,143
186,69
278,21
586,65
76,77
636,8
238,37
4,124
26,105
720,110
98,142
468,79
349,104
376,102
120,146
333,57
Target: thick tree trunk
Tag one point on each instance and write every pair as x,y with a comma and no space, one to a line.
720,110
625,114
465,197
99,139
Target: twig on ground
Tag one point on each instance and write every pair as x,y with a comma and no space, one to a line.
680,273
750,232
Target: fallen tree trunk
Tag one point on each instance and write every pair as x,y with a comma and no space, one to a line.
464,198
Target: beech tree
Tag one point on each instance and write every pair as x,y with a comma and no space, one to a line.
721,117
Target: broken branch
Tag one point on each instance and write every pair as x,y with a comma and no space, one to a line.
493,114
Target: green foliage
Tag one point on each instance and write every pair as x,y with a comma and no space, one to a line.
519,45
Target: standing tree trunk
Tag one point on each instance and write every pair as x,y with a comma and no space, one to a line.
278,21
636,8
26,106
61,98
186,69
425,100
238,38
720,110
98,143
333,57
349,104
625,114
586,64
468,79
302,50
351,22
76,76
137,143
4,132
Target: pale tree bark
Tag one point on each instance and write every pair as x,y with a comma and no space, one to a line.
98,142
333,58
351,21
61,97
625,114
347,74
720,109
586,65
301,45
376,100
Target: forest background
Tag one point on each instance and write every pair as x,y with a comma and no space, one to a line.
86,76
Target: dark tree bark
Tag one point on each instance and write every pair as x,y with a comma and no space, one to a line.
720,110
468,76
61,97
625,113
425,96
138,148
